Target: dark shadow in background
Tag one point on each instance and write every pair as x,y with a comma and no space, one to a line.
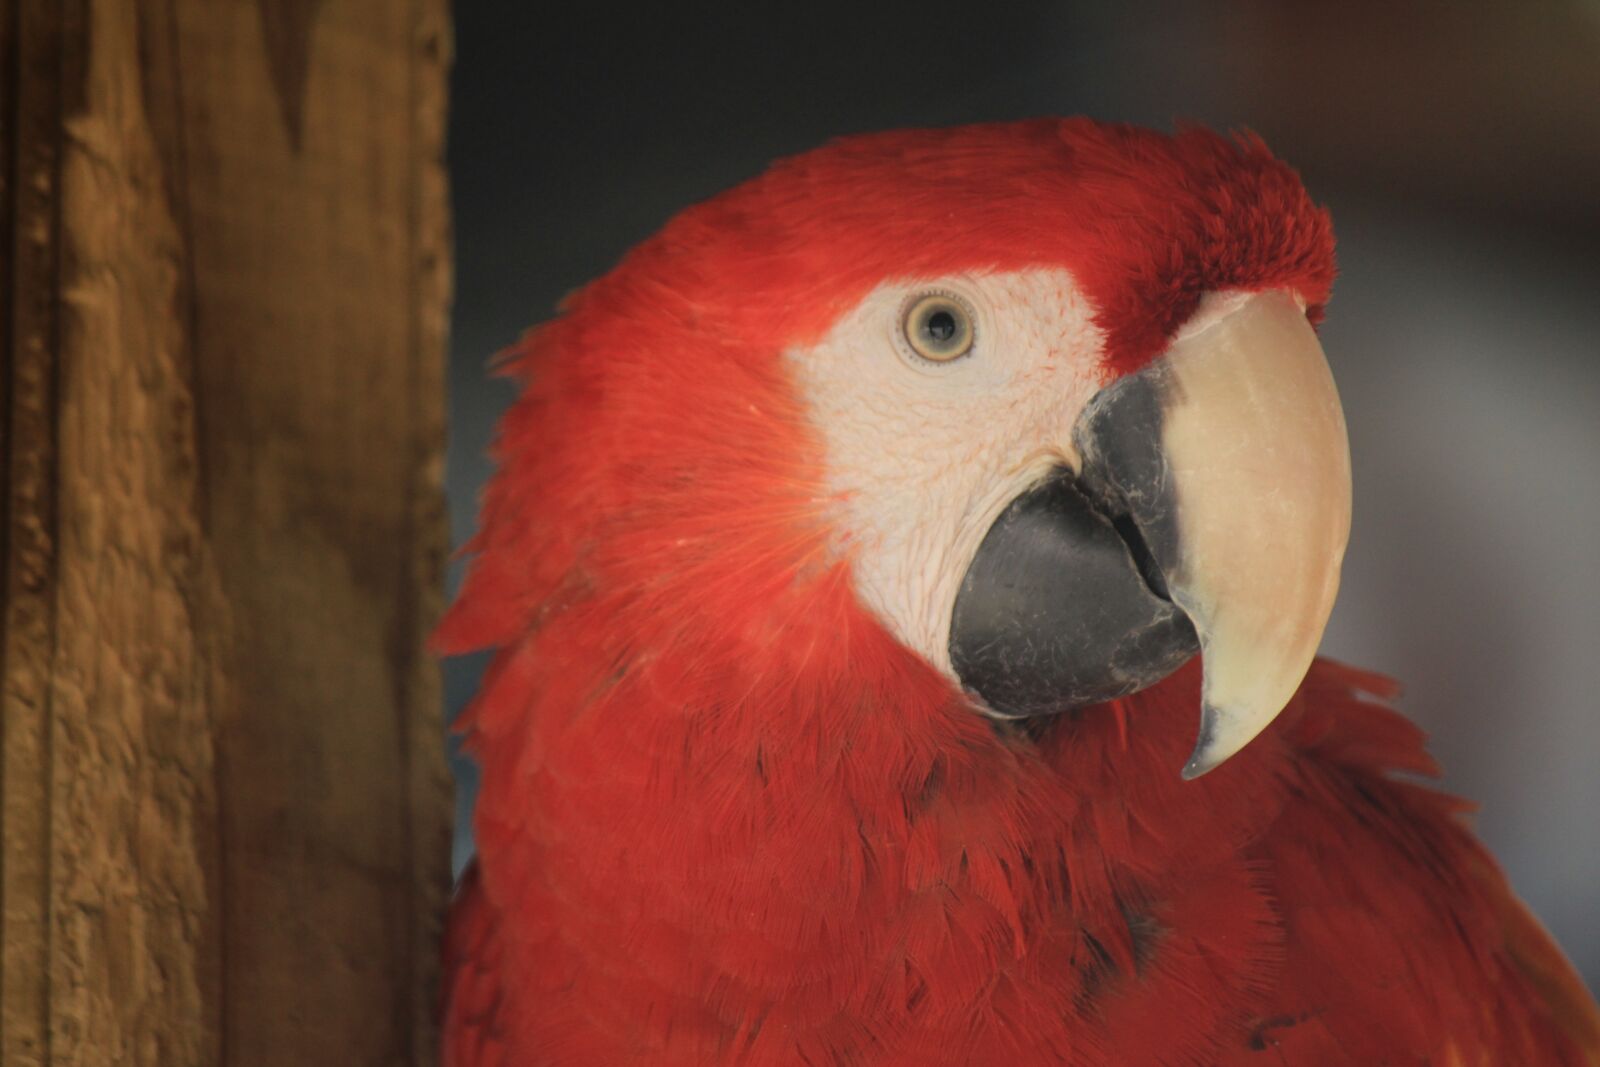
1458,150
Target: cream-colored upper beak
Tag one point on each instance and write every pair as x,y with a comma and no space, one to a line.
1258,456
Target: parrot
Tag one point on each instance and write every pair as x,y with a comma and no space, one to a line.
904,575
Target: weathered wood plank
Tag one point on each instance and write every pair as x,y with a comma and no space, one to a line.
224,806
132,792
33,52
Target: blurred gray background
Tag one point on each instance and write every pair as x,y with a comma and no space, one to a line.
1458,146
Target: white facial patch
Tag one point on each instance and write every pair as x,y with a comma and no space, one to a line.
923,456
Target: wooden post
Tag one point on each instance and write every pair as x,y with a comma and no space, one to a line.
224,267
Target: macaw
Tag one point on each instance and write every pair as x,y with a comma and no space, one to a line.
864,548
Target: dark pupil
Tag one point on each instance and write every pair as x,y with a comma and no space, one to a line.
941,326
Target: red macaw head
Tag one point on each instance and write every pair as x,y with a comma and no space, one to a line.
1039,404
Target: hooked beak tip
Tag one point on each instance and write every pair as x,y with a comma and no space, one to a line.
1205,758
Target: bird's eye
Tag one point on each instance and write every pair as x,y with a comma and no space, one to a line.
938,328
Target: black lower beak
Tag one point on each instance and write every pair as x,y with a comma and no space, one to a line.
1063,606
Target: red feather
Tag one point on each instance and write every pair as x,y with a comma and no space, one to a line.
726,818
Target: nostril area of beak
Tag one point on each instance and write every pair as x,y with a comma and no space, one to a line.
1213,308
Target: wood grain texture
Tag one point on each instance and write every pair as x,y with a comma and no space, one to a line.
223,800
